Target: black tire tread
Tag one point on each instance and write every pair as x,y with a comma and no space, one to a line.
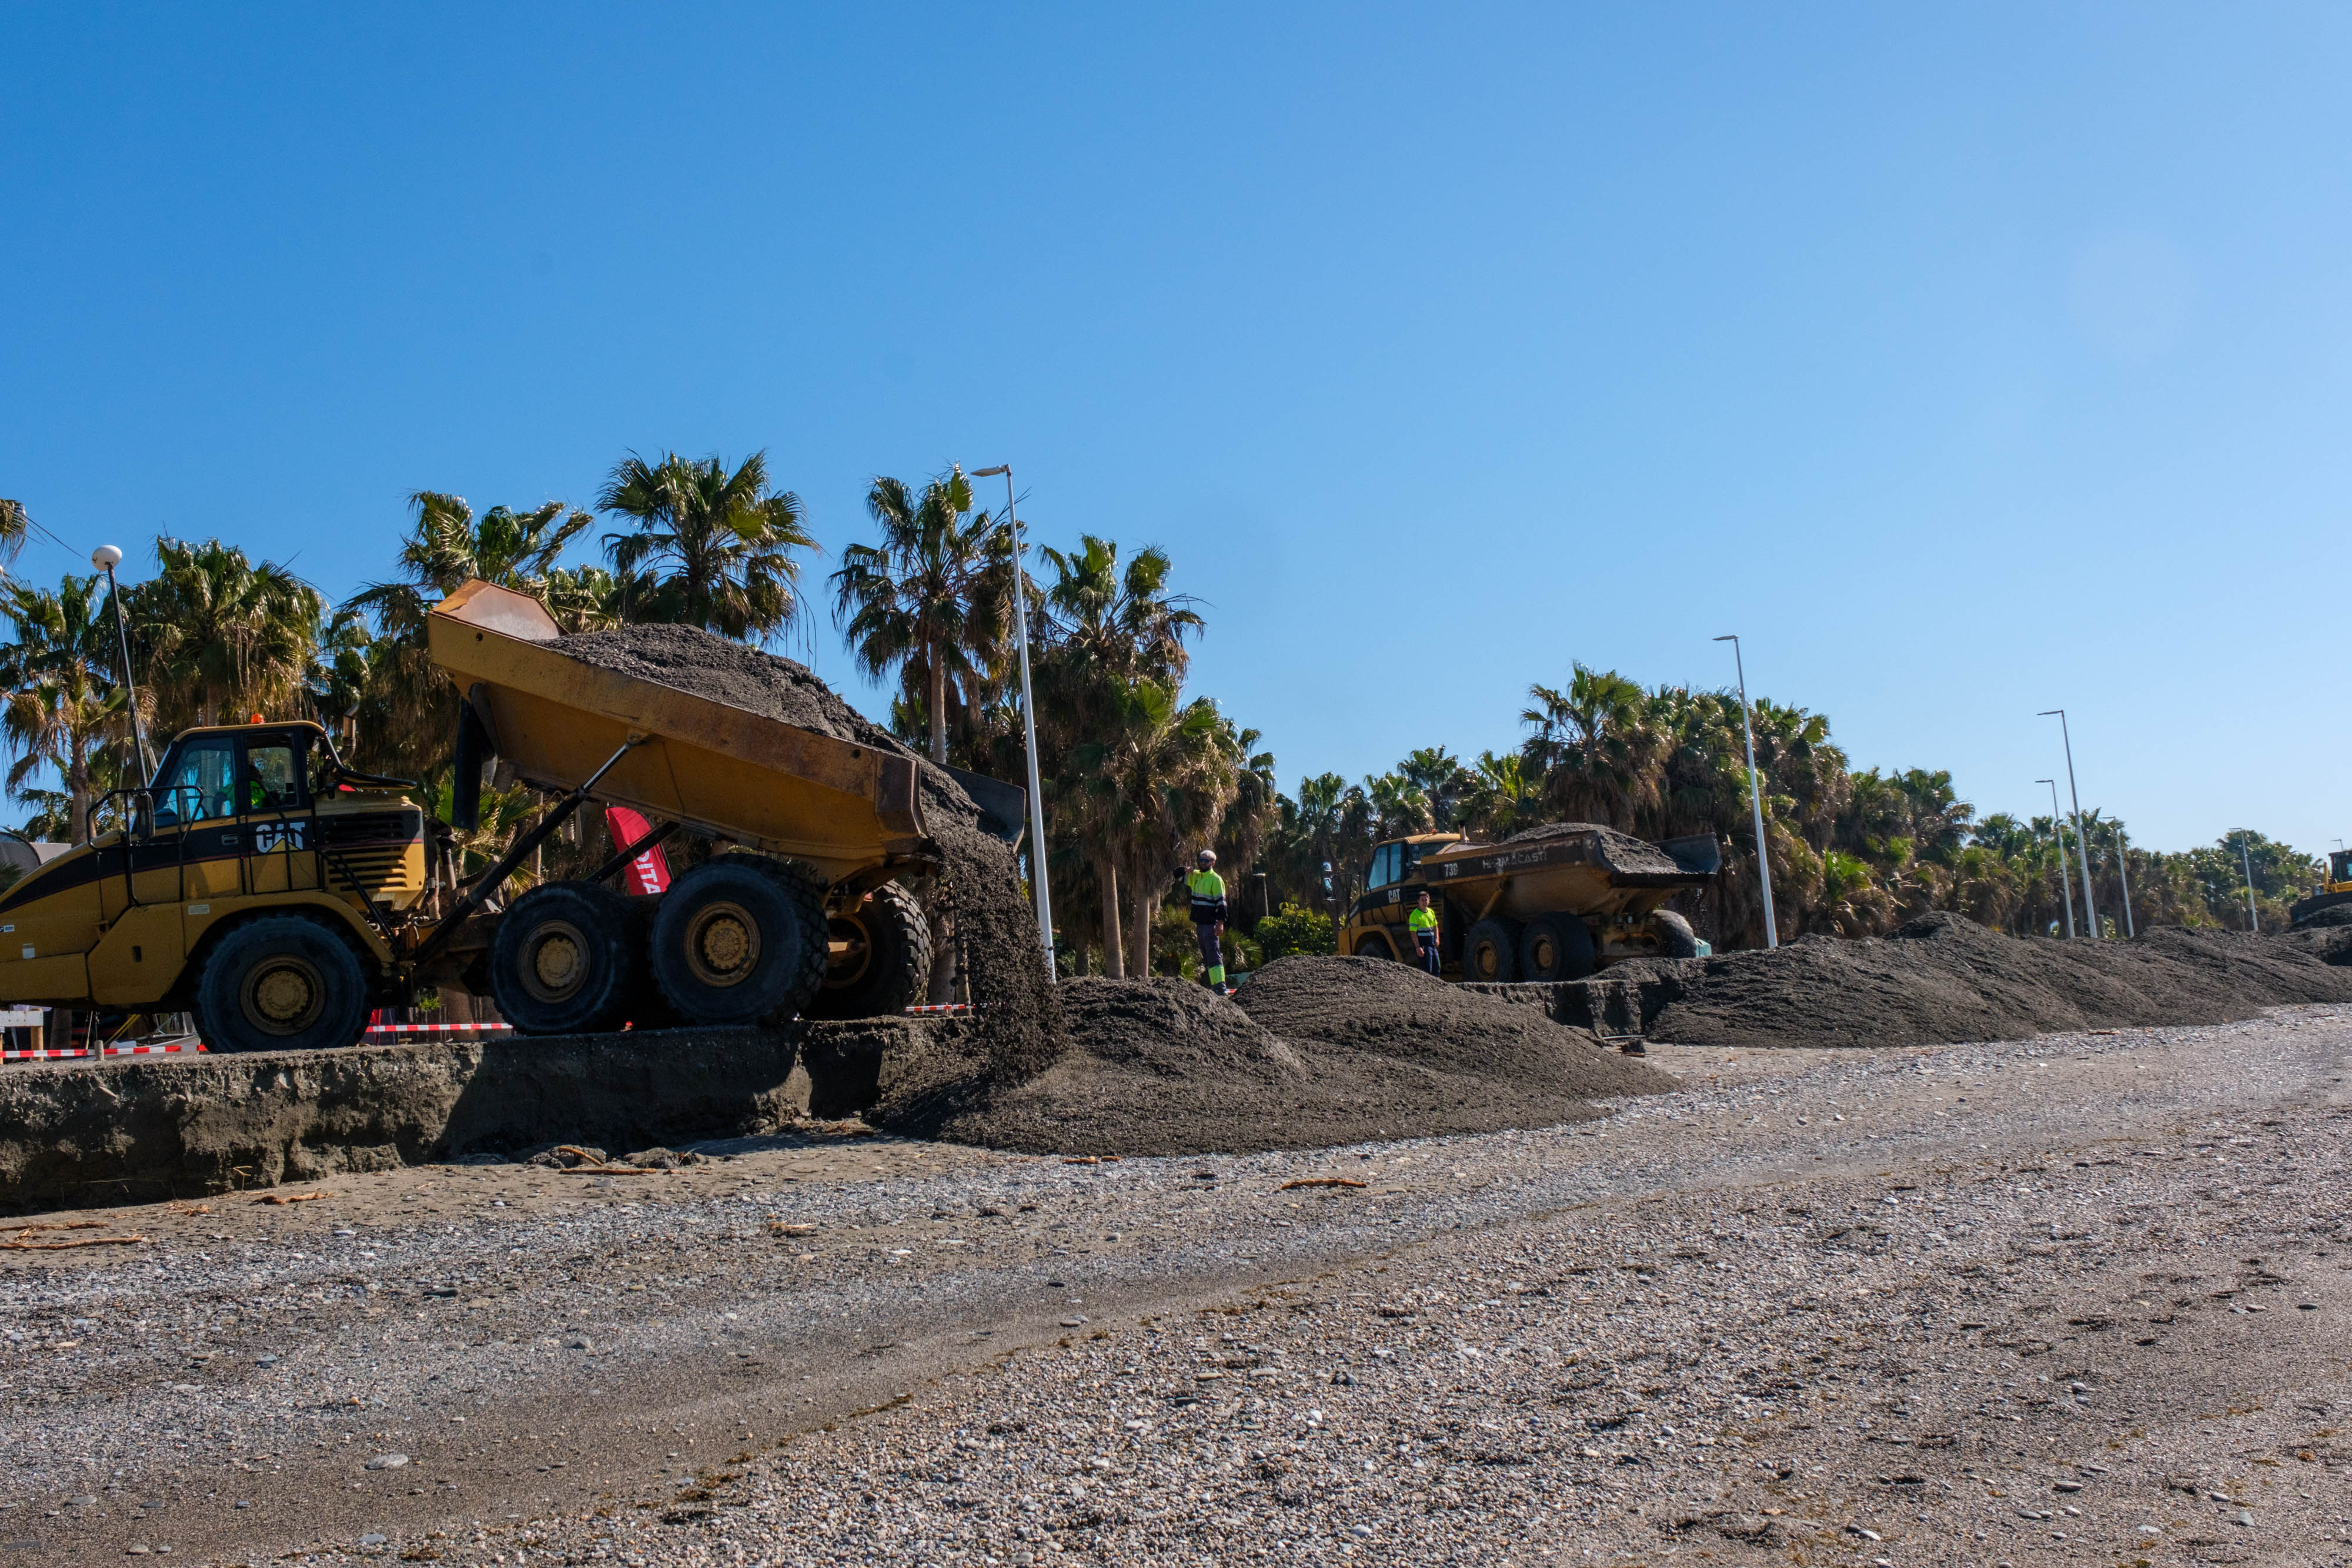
1505,935
219,1022
884,993
607,921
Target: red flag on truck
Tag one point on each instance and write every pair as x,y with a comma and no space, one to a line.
649,872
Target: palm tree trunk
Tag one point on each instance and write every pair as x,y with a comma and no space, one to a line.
1142,912
77,789
937,701
1107,883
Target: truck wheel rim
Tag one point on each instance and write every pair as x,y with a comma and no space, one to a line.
1546,956
847,965
283,995
555,962
722,943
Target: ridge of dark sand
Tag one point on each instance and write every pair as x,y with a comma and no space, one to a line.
1166,1067
1943,978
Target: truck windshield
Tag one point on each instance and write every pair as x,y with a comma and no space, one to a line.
194,785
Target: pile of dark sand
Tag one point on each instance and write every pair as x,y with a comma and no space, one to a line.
1021,1025
1943,978
2330,943
1166,1067
1621,851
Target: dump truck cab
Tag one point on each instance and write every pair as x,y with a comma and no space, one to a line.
241,823
1375,926
2332,894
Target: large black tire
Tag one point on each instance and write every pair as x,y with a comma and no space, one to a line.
1555,947
648,1008
1490,951
885,966
1675,938
1375,945
281,983
566,959
739,940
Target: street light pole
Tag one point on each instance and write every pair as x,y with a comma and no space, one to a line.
2082,844
106,558
2123,875
1754,792
2058,823
1028,728
2253,916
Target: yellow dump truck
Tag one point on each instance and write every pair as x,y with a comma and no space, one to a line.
1553,906
262,883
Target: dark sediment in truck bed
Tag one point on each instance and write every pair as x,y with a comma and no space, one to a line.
1021,1016
1943,978
1623,851
1166,1067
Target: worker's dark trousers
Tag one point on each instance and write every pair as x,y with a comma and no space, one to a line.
1213,954
1428,954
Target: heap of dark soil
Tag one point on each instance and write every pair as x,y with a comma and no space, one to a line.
2330,944
1166,1067
2335,915
1022,1027
1943,978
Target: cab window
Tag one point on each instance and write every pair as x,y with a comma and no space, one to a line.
198,784
269,780
1384,866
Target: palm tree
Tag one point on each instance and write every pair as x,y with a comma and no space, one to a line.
61,703
1592,746
709,548
223,636
15,527
1111,661
408,721
932,601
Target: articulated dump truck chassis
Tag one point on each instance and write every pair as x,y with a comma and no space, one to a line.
1554,907
278,894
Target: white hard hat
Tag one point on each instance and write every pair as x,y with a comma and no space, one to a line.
1206,857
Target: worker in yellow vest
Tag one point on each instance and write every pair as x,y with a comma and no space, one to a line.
1208,890
1421,920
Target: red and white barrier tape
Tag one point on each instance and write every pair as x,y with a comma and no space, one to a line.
194,1046
173,1048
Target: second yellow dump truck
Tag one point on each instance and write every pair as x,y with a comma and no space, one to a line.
278,894
1552,904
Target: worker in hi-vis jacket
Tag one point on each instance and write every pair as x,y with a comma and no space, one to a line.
1208,890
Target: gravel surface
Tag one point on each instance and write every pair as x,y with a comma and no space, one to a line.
2086,1297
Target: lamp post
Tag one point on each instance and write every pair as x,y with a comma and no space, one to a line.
2253,916
2082,844
1755,791
106,558
2058,822
2123,875
1028,728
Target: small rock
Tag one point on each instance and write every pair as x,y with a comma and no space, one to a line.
134,1551
578,1342
1073,1321
2244,1519
371,1539
82,1501
241,1505
387,1461
1865,1534
1360,1531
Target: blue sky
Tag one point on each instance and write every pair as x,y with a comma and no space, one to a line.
1967,363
